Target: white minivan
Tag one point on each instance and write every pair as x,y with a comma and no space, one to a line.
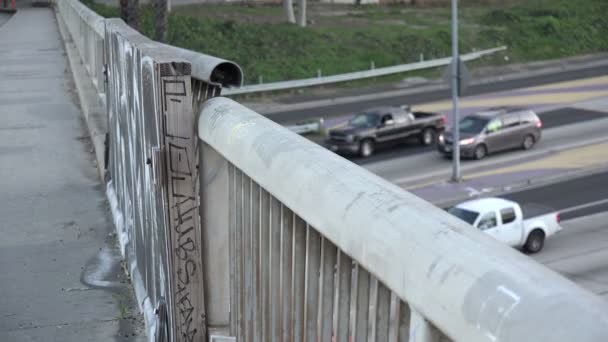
525,226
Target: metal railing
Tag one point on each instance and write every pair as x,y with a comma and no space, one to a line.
352,76
235,227
87,31
322,249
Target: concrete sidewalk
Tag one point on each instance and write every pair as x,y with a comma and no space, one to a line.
62,277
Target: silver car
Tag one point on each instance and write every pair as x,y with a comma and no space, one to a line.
492,131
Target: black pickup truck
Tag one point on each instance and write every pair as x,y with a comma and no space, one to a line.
384,125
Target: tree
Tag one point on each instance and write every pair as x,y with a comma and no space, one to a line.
302,14
129,12
160,25
288,9
124,5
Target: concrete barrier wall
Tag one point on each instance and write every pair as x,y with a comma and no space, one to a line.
150,92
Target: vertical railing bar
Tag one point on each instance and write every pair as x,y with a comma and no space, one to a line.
313,259
344,285
299,272
240,258
352,317
265,243
373,303
362,309
247,244
255,260
383,312
326,292
393,322
275,269
286,269
404,322
232,248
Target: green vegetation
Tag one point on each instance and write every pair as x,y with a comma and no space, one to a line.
347,38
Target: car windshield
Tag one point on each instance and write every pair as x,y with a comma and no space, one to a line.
472,124
467,216
364,120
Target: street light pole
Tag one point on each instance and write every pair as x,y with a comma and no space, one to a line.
455,94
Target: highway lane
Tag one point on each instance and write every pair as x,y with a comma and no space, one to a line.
579,197
551,119
580,252
436,95
423,165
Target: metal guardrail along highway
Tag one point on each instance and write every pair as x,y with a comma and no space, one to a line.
284,85
235,227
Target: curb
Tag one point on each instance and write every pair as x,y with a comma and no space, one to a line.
93,110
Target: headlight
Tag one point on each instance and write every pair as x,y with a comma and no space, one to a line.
441,139
350,138
468,141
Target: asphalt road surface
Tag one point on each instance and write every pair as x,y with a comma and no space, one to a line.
580,250
436,95
551,119
406,168
578,197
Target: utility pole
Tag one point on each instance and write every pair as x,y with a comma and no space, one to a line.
455,93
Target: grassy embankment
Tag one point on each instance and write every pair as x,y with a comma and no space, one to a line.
348,38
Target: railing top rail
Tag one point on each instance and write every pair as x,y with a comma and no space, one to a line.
90,17
468,285
204,67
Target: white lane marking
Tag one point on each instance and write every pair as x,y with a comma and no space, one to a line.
583,206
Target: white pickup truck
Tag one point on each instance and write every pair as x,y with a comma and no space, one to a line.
525,226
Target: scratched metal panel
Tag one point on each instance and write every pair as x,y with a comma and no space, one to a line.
141,100
215,219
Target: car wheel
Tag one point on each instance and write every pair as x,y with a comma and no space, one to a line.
428,137
480,152
366,148
528,142
535,241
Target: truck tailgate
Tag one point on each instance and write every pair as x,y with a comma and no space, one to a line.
550,223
